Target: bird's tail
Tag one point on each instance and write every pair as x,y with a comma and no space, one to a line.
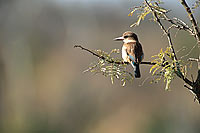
136,69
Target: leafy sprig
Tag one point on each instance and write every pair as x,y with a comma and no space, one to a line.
112,70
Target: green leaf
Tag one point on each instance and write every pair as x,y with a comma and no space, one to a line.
145,12
155,70
154,66
112,79
124,83
167,87
137,23
131,13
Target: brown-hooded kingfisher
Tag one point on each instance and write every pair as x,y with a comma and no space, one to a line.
131,51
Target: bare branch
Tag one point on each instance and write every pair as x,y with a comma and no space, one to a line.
179,24
189,88
144,81
189,51
186,80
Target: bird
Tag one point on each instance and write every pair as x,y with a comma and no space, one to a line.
131,51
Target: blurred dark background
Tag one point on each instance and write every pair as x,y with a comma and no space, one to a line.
43,90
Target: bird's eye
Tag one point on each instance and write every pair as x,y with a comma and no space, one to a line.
125,36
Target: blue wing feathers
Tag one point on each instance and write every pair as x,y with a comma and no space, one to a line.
135,66
136,69
132,58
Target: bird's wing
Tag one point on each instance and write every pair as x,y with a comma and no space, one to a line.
139,52
131,50
135,52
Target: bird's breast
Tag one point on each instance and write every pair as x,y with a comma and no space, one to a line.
124,54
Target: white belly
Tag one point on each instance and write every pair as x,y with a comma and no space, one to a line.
124,54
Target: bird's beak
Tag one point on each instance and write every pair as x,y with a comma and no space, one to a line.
119,39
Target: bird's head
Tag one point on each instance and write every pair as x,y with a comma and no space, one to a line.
128,36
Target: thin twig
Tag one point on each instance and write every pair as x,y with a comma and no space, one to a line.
176,33
192,78
97,55
163,28
180,26
110,61
147,63
181,49
144,81
192,19
186,80
178,73
189,51
189,88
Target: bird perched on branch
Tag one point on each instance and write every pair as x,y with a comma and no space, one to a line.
131,51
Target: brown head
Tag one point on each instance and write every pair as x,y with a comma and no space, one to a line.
128,35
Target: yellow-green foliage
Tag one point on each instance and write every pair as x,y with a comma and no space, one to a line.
112,70
145,10
165,66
